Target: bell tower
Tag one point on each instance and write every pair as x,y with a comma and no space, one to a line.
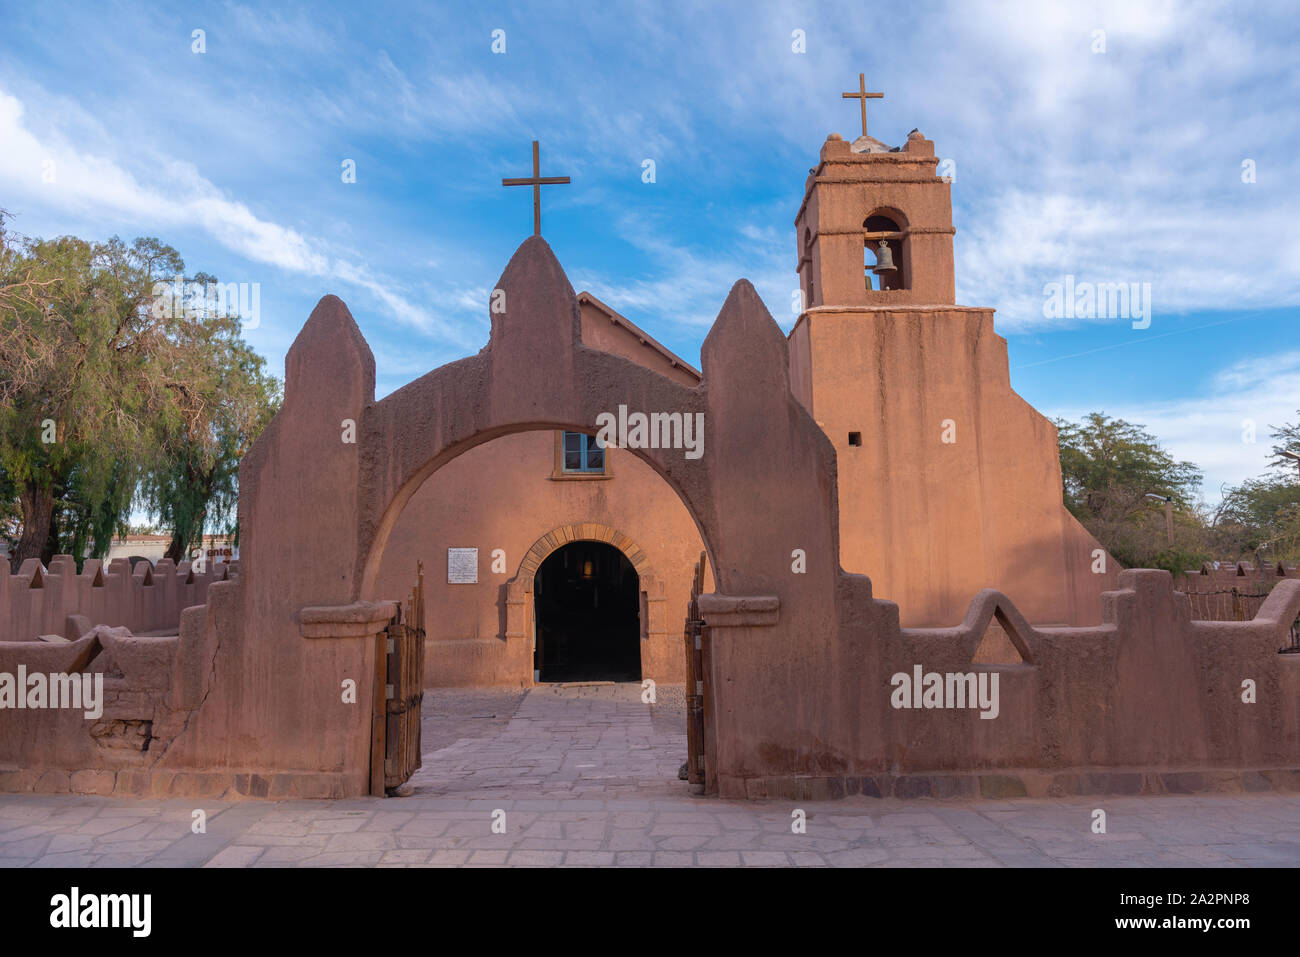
948,481
875,227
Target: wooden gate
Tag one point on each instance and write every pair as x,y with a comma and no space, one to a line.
399,693
697,690
1238,603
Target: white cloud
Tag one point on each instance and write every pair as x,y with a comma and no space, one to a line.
179,197
690,285
1035,238
1122,166
1116,166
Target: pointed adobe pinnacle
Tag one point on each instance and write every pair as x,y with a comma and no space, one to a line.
537,293
746,338
535,260
329,350
91,568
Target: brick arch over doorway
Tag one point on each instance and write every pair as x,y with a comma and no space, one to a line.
581,532
660,659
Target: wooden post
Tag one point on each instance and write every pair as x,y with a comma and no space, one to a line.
379,715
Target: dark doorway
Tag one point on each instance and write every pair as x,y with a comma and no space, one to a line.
588,611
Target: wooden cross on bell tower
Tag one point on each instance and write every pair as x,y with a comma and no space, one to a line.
536,181
862,96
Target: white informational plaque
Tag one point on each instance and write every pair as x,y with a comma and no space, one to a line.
462,566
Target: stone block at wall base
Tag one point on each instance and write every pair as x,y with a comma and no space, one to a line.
154,783
93,782
35,780
1012,784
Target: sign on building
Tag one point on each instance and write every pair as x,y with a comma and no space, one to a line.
462,566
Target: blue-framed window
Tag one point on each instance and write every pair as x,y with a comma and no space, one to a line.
581,453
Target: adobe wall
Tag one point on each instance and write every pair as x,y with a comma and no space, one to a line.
934,522
502,495
1243,574
286,697
149,687
605,330
256,702
97,624
1146,702
39,601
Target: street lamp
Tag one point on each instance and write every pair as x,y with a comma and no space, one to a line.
1169,513
1291,455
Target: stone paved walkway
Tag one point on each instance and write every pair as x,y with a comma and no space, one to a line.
588,776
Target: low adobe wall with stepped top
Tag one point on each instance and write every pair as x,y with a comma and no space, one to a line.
99,671
57,601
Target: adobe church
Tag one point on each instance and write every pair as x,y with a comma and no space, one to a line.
948,481
873,499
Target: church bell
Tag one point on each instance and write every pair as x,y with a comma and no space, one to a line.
884,259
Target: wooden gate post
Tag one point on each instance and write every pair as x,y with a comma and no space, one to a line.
695,684
400,673
379,713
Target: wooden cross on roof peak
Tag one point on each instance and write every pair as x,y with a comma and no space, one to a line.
862,96
536,181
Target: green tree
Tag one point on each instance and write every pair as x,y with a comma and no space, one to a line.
11,516
1110,471
222,401
109,396
1261,516
77,381
1288,440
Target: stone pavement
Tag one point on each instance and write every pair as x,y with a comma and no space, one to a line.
588,776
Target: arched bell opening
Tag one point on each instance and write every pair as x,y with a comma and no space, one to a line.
882,255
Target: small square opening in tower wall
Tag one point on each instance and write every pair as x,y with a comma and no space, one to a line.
855,438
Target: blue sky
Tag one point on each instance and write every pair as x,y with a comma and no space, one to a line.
1115,166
